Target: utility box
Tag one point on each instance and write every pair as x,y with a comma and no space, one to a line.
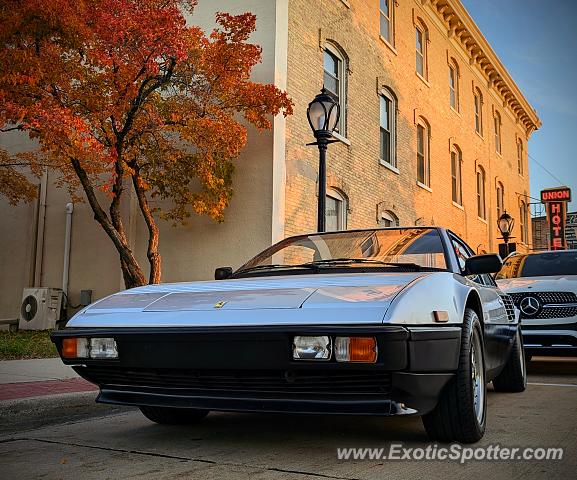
41,308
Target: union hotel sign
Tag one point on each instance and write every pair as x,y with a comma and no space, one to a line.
556,200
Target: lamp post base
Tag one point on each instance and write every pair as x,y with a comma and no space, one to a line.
506,249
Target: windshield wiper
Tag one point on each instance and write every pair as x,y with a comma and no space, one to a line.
277,266
372,261
329,262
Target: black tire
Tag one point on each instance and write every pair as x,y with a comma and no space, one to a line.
457,416
513,377
173,416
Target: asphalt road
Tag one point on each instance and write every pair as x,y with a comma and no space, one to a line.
121,443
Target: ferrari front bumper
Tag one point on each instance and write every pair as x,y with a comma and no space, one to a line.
252,370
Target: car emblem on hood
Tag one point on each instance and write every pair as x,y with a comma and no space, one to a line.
530,306
219,304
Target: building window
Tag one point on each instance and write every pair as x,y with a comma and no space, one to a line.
500,200
421,51
497,120
335,82
388,111
389,219
454,86
423,160
478,112
456,160
335,211
481,193
386,15
523,222
520,157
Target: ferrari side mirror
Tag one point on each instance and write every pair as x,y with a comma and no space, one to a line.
222,273
480,264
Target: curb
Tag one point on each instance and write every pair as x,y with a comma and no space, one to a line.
21,390
33,412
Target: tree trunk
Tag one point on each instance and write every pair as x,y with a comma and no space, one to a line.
131,271
152,252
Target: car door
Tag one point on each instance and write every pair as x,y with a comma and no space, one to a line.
495,319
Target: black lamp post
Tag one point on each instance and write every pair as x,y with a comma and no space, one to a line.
505,225
323,115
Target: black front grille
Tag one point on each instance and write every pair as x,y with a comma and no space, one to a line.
546,297
250,381
556,312
549,340
509,306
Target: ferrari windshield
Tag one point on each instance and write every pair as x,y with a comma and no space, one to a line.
406,248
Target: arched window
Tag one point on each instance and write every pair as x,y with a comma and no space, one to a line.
454,85
335,211
500,199
389,219
481,213
423,156
335,81
520,156
421,37
388,121
478,111
523,224
497,121
387,25
456,182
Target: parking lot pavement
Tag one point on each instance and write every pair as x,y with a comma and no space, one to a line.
230,446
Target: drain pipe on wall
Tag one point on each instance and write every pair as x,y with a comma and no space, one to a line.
40,227
67,238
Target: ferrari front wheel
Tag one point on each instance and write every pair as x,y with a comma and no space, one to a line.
173,416
460,414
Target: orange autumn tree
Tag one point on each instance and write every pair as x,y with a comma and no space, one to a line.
123,94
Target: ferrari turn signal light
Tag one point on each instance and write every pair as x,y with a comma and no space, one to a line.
356,349
75,348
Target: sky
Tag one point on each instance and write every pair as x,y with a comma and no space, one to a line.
537,43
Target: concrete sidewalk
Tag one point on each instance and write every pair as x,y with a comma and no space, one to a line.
16,371
43,392
40,377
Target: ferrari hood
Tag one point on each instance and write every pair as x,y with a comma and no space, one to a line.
252,301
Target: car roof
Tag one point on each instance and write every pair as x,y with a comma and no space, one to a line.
544,252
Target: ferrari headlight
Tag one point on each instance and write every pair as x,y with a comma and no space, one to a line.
311,348
103,348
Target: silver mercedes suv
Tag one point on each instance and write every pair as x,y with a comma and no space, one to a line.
544,288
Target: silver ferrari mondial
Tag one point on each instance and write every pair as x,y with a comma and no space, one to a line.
402,321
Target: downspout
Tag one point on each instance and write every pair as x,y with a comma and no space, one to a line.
67,237
40,223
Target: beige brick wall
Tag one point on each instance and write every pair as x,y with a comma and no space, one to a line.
355,169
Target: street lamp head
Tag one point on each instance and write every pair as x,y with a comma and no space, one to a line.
505,224
323,115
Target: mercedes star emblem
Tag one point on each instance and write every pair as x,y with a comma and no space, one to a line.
530,306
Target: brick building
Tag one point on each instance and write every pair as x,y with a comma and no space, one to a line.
434,131
540,232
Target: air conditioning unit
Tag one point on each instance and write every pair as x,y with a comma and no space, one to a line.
41,308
